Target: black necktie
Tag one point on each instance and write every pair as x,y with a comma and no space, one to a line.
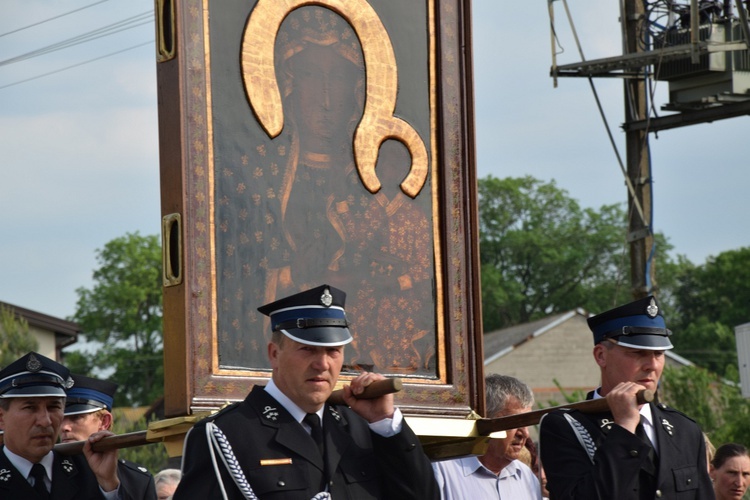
640,431
316,431
38,473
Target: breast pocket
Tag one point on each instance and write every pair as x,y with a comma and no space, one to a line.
278,479
686,478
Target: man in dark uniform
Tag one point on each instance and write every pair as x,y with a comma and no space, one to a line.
633,451
88,409
32,401
365,450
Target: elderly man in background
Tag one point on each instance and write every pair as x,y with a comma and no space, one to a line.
497,474
166,481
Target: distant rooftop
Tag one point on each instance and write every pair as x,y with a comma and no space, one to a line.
498,343
66,332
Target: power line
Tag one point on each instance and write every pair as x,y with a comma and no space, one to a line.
75,65
50,19
111,29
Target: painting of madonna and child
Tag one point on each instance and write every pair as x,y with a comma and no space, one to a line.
337,194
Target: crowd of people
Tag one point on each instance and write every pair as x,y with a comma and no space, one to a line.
284,441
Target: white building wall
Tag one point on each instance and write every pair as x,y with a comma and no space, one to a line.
46,341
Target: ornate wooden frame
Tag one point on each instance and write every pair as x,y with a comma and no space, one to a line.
195,108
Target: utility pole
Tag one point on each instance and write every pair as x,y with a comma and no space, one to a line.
706,71
640,235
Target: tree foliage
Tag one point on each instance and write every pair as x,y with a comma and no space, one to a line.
15,338
78,362
710,300
122,315
541,253
715,403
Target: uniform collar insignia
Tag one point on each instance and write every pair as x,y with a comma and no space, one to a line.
605,424
67,466
4,475
271,413
334,413
667,426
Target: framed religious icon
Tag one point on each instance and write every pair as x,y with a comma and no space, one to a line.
308,142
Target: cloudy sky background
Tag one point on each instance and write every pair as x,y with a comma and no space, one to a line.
80,145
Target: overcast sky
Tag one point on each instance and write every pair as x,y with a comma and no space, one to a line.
80,145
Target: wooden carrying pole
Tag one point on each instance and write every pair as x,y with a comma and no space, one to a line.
487,426
374,390
484,426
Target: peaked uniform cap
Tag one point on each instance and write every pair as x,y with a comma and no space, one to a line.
34,375
89,395
313,317
638,325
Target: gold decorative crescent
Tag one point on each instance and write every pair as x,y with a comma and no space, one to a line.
378,123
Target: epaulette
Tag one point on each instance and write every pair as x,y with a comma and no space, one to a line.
664,407
135,467
221,411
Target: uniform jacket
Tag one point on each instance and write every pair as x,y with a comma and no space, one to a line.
135,481
72,479
620,470
281,461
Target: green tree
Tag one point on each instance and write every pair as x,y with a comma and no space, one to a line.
710,300
715,403
15,338
79,363
541,253
669,271
122,314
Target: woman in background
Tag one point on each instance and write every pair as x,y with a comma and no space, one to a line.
730,471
